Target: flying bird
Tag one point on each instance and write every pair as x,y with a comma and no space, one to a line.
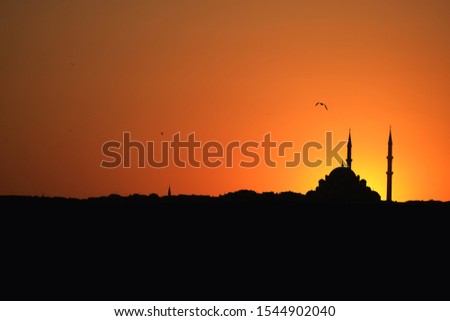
322,104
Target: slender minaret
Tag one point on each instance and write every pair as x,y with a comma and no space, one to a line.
169,193
389,169
349,151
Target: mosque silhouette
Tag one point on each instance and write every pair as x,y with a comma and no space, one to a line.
343,185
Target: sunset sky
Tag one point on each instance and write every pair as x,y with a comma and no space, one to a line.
75,74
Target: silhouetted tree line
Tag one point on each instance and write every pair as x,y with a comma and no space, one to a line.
242,245
244,199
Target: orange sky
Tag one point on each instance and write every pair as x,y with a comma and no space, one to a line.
76,74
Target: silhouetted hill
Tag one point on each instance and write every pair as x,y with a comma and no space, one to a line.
245,201
238,246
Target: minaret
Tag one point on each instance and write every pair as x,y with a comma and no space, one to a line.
389,169
349,151
169,193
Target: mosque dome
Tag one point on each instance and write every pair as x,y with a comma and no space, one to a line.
342,184
342,176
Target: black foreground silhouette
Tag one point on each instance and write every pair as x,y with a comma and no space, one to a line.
238,246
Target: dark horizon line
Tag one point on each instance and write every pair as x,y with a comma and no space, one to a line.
249,192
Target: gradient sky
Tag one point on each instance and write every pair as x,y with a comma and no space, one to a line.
75,74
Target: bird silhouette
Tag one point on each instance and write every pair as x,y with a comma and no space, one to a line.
322,104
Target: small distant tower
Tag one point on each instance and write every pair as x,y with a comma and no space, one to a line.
349,151
389,172
169,193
